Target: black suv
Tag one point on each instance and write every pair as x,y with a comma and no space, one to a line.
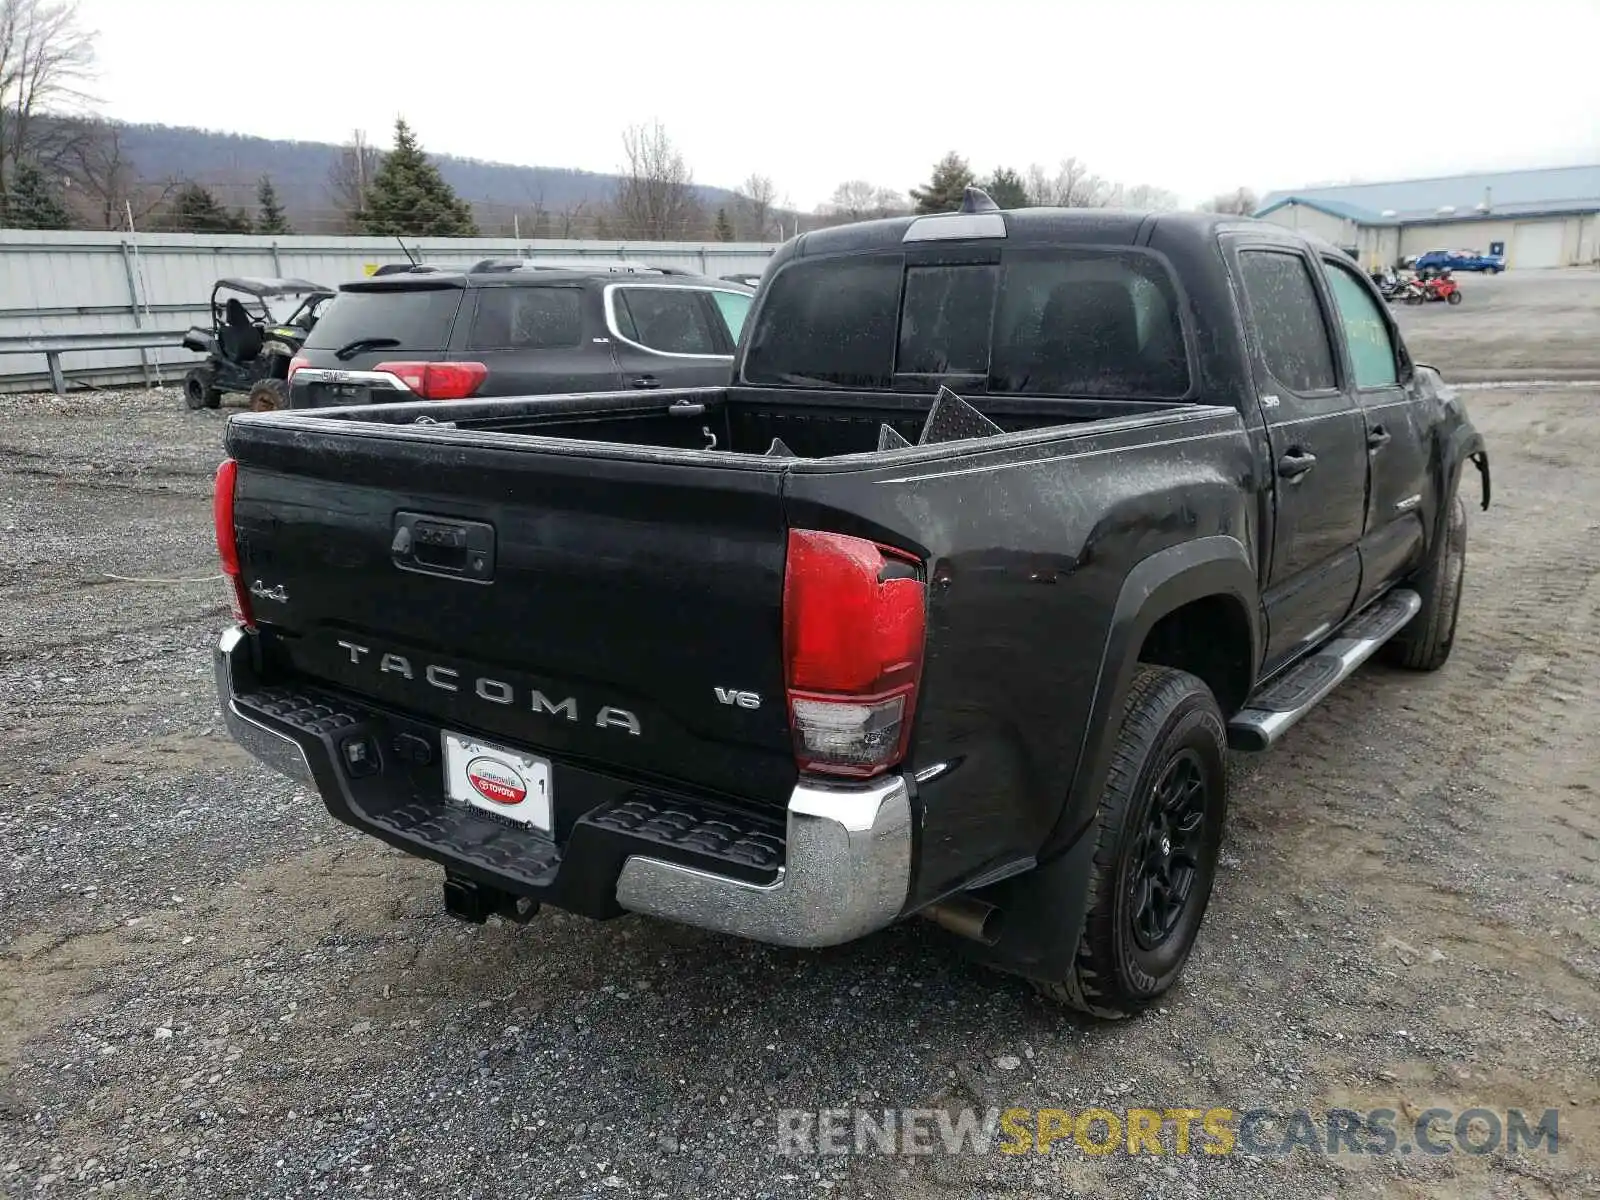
518,328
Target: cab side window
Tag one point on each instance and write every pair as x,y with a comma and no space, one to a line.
1288,318
1366,333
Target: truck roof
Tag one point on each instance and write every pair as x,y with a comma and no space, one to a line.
1111,226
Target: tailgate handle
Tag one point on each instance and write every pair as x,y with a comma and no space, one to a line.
435,545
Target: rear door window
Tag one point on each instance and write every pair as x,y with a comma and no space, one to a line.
528,318
1288,319
416,319
667,320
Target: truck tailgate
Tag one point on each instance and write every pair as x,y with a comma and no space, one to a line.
623,609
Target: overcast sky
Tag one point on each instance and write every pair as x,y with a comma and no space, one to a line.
1198,96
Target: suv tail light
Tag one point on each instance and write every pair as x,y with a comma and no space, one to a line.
853,624
295,363
227,541
438,380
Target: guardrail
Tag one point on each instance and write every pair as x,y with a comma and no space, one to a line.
54,345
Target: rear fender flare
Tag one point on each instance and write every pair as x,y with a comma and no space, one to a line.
1218,565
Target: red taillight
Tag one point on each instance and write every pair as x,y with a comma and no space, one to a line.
853,623
295,363
438,380
227,541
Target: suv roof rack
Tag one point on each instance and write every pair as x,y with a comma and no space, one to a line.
595,265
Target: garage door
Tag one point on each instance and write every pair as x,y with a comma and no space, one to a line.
1537,244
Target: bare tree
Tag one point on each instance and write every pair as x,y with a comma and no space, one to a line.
1145,196
538,223
755,196
859,200
1073,185
573,219
104,184
349,179
656,198
1240,202
45,59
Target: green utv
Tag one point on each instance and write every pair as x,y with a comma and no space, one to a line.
250,342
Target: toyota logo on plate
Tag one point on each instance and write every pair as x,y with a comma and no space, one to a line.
495,781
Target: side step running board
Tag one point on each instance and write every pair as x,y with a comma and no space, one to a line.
1271,711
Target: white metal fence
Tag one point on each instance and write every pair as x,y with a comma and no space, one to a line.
81,283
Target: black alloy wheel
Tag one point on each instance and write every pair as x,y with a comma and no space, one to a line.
1166,856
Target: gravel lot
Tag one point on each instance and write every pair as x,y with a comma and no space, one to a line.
1523,324
209,989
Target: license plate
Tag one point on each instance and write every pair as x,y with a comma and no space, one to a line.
510,785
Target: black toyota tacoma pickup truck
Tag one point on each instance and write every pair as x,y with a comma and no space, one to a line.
1008,526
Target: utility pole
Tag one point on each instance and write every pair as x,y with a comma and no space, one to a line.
361,172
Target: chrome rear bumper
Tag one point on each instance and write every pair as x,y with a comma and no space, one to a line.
845,874
847,849
278,751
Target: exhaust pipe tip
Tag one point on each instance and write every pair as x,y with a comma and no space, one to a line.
967,917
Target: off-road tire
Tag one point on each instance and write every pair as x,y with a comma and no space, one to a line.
1169,715
1425,643
269,395
197,390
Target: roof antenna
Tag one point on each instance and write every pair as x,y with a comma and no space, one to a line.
976,200
407,253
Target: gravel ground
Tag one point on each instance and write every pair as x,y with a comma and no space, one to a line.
1523,324
210,989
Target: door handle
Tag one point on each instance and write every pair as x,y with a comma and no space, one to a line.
1378,438
1296,463
645,381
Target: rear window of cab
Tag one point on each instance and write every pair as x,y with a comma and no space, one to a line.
1057,321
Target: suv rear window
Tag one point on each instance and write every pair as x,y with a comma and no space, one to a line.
1079,322
416,319
527,318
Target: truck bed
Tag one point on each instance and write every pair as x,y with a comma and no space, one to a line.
741,421
608,593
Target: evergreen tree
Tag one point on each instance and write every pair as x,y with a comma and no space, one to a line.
271,218
951,178
1005,188
409,196
724,228
195,210
32,203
